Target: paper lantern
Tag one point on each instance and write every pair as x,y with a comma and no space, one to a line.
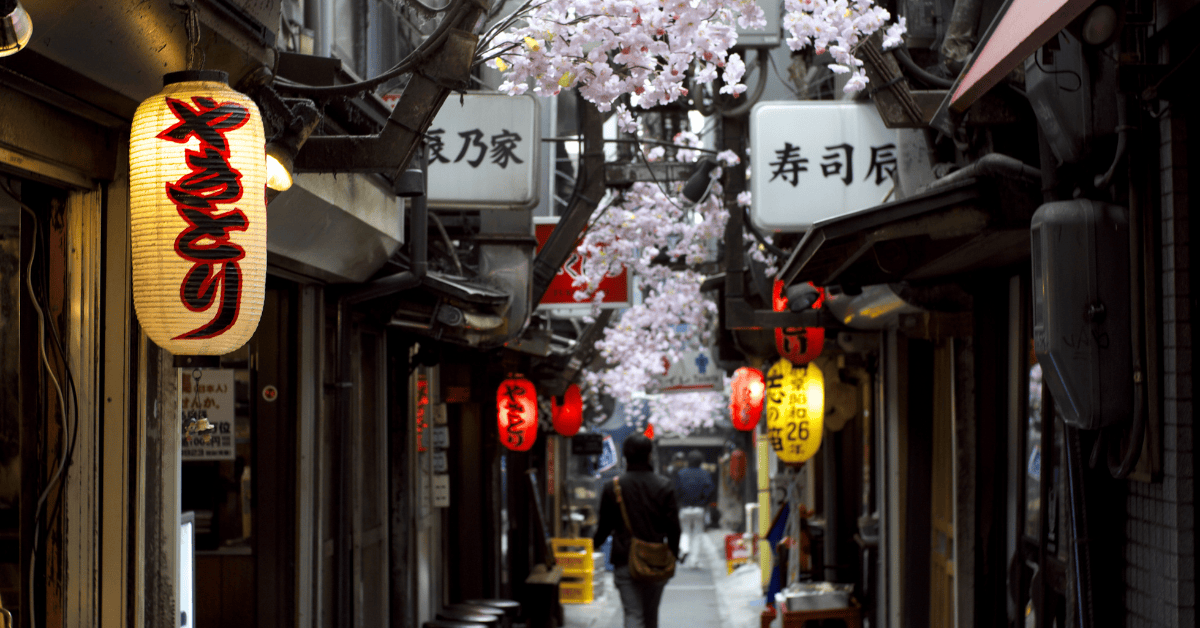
746,398
198,215
568,417
737,465
800,345
517,414
795,410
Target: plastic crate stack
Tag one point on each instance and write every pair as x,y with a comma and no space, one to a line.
575,558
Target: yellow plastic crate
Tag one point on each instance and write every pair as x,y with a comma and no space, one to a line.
574,556
575,590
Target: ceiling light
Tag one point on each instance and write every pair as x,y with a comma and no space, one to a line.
15,27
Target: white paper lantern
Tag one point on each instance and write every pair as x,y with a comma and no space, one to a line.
198,215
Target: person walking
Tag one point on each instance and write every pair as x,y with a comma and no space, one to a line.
694,486
649,501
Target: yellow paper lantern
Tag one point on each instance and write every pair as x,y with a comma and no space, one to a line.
198,215
795,410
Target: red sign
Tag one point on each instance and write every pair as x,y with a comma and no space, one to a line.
562,290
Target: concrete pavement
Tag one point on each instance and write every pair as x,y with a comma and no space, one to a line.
700,597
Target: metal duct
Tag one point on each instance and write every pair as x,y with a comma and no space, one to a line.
877,307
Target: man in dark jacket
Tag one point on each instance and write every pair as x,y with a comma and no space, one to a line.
650,501
694,486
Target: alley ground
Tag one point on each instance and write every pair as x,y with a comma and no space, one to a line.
702,597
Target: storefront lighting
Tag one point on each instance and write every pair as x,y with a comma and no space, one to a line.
517,413
746,403
567,415
795,410
198,224
16,27
281,151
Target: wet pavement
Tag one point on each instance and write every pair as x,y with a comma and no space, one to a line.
704,596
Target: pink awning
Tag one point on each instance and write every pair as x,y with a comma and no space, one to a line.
1021,29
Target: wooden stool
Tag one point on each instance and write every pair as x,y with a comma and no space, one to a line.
852,616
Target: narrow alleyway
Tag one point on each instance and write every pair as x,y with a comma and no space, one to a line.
702,597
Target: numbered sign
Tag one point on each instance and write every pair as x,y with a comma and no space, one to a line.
795,410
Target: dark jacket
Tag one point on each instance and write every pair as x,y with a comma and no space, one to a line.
694,486
650,500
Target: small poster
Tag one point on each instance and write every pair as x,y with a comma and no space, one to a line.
207,395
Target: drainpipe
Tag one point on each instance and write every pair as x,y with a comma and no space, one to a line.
410,184
960,34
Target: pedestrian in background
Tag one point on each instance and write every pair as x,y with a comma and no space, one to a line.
650,503
694,486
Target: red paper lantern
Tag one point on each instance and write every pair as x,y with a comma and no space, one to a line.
517,413
747,397
737,465
649,433
800,345
568,417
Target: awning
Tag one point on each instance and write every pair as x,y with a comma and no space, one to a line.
1020,28
976,218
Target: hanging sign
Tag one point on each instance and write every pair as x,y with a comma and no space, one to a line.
516,414
746,398
695,371
212,397
485,151
198,215
816,160
560,294
795,410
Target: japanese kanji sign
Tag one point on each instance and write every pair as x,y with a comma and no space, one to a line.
485,151
817,160
561,292
213,395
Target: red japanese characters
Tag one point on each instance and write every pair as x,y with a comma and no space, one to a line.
517,413
567,416
746,398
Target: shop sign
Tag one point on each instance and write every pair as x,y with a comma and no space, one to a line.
484,151
211,395
561,292
695,371
817,160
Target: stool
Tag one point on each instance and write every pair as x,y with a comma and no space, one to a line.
479,619
852,616
481,609
512,608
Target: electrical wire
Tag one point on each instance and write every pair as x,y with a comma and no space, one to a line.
435,39
68,441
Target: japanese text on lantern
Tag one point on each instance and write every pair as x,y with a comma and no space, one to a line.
515,412
200,197
795,410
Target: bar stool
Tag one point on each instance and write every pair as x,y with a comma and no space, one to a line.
479,619
511,608
482,609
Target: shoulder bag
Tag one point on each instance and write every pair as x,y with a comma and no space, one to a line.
648,562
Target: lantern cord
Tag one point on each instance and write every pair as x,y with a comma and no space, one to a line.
68,436
191,23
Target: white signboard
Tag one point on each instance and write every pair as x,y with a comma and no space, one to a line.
211,395
485,152
695,371
817,160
